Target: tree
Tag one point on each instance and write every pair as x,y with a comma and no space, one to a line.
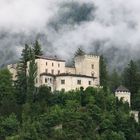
21,83
114,80
32,73
7,93
6,85
131,79
8,126
37,48
103,73
79,52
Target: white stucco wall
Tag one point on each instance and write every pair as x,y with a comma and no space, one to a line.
48,66
136,115
70,70
13,70
88,65
71,82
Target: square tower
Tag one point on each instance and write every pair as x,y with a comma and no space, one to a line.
88,65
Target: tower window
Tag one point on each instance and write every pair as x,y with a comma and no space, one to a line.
92,66
79,82
52,64
46,63
62,82
58,65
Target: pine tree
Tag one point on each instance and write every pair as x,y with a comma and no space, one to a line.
37,48
114,80
103,73
21,83
79,52
32,73
131,79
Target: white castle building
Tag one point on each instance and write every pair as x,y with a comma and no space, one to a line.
54,73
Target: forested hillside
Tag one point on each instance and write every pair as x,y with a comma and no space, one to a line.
30,113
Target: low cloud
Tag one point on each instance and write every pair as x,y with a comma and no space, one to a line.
111,28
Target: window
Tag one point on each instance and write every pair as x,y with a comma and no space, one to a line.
92,74
46,80
92,66
50,80
46,70
52,71
79,82
58,65
58,71
89,82
46,63
52,64
62,82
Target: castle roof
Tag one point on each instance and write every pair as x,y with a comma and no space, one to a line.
49,58
122,89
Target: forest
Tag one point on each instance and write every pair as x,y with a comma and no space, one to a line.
31,113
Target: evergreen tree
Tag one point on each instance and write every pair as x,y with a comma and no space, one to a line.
32,73
79,52
103,72
114,80
131,80
37,48
131,77
21,83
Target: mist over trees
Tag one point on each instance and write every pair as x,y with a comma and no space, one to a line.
30,113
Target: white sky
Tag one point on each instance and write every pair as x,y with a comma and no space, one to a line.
117,21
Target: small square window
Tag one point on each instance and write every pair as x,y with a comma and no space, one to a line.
62,82
89,82
79,82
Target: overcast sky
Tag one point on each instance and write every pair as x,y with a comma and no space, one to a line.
111,27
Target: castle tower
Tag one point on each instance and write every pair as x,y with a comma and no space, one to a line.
124,93
88,65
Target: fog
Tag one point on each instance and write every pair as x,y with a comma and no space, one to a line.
107,27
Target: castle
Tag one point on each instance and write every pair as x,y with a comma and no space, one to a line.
54,73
